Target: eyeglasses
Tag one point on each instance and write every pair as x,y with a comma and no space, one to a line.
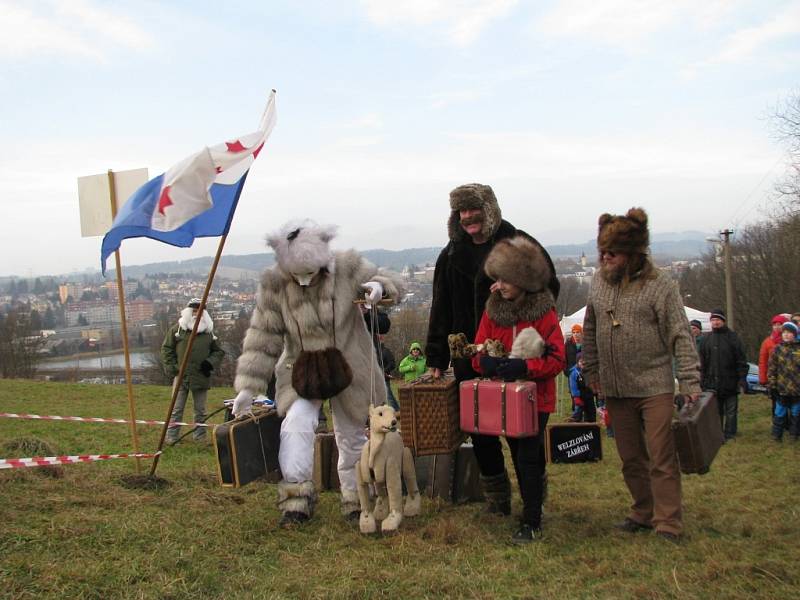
607,253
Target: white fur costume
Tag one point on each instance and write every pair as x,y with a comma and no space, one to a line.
296,303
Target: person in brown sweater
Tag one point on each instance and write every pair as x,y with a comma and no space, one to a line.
634,330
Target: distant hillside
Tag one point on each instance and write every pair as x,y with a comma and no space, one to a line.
247,265
679,246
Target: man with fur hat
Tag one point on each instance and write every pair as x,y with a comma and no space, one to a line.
723,369
520,312
635,329
460,285
306,329
206,357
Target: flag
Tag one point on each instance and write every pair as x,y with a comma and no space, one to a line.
195,198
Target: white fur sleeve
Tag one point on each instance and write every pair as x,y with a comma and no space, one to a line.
263,344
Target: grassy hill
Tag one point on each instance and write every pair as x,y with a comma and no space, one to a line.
85,535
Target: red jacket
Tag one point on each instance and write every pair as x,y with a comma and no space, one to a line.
543,370
767,346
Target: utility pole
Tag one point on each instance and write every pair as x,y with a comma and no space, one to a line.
725,235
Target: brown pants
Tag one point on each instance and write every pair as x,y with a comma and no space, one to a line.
645,442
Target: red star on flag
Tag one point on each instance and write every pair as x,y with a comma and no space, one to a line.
164,200
235,146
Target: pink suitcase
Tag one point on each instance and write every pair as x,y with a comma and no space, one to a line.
498,407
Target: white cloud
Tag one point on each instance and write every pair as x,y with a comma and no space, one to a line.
463,21
66,27
440,100
744,43
626,23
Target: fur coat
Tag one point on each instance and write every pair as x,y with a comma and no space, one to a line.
287,313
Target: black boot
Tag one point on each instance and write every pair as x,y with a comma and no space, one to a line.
794,427
497,489
777,428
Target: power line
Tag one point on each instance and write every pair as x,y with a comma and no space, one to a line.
733,219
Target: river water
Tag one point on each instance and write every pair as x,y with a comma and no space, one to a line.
139,360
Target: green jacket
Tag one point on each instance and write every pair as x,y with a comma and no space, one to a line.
205,347
411,367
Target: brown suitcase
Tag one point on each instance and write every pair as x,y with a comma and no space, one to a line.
326,461
698,434
247,449
573,443
429,415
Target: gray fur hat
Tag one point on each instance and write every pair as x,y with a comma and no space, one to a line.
520,261
473,195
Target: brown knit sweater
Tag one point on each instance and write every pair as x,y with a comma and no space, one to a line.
631,334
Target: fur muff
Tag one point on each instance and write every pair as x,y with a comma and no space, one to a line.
624,234
518,261
528,344
473,195
321,374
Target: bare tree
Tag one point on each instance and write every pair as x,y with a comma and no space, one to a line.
409,324
20,346
573,295
786,128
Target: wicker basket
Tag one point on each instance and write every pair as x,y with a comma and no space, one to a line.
429,415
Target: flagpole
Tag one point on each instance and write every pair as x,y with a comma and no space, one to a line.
124,328
185,360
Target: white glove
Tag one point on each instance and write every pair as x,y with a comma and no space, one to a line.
243,403
374,292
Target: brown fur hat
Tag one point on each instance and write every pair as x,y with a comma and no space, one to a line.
520,261
626,234
473,195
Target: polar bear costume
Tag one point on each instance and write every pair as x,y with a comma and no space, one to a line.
295,307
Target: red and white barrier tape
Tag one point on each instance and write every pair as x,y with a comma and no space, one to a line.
98,420
46,461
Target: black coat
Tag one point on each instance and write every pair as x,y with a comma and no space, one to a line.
571,354
460,291
723,363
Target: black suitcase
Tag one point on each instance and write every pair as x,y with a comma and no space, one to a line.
573,443
326,462
247,449
452,476
698,434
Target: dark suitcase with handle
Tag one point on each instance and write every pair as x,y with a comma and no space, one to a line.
451,476
247,449
326,462
698,433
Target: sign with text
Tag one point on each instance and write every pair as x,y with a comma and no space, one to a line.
94,198
574,443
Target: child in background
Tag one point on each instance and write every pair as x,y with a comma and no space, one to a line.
783,376
414,365
582,395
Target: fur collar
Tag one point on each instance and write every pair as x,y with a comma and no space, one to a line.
528,307
186,322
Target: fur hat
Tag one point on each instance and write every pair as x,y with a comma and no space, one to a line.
626,234
473,195
519,261
302,247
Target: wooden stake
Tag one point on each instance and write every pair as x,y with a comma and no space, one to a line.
124,328
176,386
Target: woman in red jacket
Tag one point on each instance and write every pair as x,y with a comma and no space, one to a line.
520,301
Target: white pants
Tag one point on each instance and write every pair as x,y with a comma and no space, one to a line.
296,455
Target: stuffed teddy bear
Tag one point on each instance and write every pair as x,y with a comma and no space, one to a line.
386,463
460,348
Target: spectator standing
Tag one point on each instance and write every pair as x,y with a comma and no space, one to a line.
572,347
414,364
784,378
767,346
635,326
723,369
696,329
206,357
582,395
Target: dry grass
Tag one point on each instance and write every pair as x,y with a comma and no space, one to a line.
88,536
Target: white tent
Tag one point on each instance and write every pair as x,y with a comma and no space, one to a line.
577,317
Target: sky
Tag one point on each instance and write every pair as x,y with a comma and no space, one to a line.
567,108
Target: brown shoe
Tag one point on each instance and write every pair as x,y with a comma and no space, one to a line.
631,526
672,538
